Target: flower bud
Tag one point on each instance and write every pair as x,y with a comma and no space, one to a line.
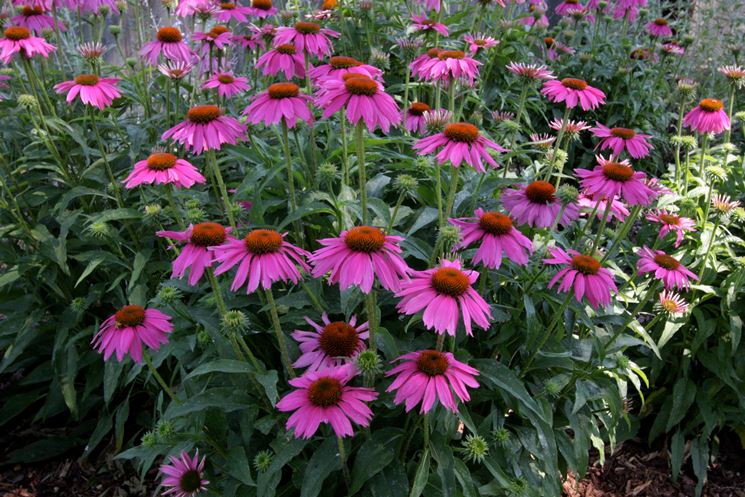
115,30
169,294
99,229
27,102
567,194
78,304
369,364
327,173
234,322
194,216
149,439
263,460
153,210
475,448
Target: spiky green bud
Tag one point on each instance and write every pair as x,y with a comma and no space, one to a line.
327,173
169,294
263,460
369,363
27,102
475,448
149,439
234,322
405,184
567,194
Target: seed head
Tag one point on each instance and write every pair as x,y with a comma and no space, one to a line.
263,460
234,322
169,294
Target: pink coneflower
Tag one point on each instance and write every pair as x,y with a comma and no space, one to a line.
308,37
707,117
227,84
364,99
196,254
415,117
205,8
672,303
130,327
499,116
338,66
666,268
282,58
175,70
435,120
430,4
628,9
582,274
91,50
735,74
659,28
537,205
219,37
170,43
230,10
673,48
451,65
206,128
572,129
17,39
184,475
332,344
428,375
421,23
479,42
723,203
615,178
93,90
537,17
620,139
36,20
534,72
325,397
657,187
92,6
446,294
573,91
555,48
281,101
164,169
670,222
263,257
262,8
420,62
256,38
568,7
460,142
359,255
618,209
542,140
496,235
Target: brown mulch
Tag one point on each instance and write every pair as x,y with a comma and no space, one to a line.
635,471
72,478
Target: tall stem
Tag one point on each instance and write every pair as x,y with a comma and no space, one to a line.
290,176
371,309
344,151
451,195
359,132
704,148
732,94
212,159
343,461
279,333
708,248
603,222
159,378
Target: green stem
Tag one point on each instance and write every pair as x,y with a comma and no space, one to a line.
399,201
603,222
557,145
290,177
621,234
547,335
159,378
344,151
174,206
708,249
451,196
343,461
371,309
274,314
360,144
212,160
728,133
704,148
438,196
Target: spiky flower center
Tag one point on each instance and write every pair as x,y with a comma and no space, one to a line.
284,90
419,108
361,85
670,219
17,33
432,363
624,133
129,315
572,2
670,305
218,30
190,482
433,52
495,223
29,11
339,339
262,4
710,105
227,6
574,84
480,42
262,241
461,132
287,49
324,392
451,54
450,281
203,114
585,264
549,42
307,28
169,35
161,161
428,23
207,234
86,79
666,261
660,21
540,192
365,239
225,79
341,62
617,171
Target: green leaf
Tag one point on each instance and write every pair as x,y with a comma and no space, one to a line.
269,380
238,466
421,476
266,483
371,458
677,445
324,460
684,393
222,366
